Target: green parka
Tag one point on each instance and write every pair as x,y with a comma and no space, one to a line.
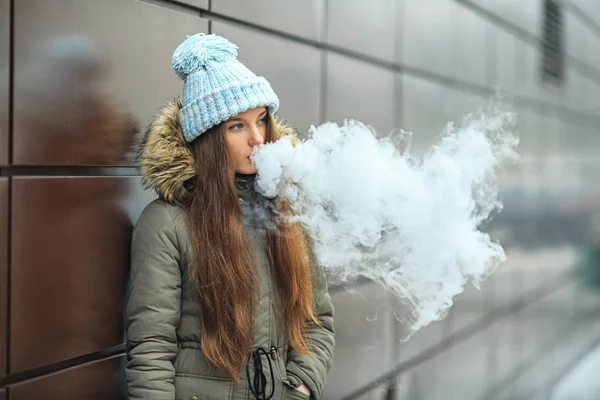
163,320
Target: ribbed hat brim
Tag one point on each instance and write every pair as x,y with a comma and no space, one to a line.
219,105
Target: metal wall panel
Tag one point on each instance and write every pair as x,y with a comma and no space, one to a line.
471,52
556,94
547,138
421,340
505,65
594,97
587,145
593,57
419,114
529,126
554,148
429,36
415,381
527,15
582,146
78,77
198,3
4,214
520,70
70,259
98,380
427,108
575,37
360,91
302,18
366,28
468,381
577,91
508,343
364,319
530,83
4,78
294,71
592,43
531,63
590,7
547,320
528,77
527,80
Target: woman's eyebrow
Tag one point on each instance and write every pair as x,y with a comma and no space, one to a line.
240,119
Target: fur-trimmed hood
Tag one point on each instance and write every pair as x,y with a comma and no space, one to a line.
165,159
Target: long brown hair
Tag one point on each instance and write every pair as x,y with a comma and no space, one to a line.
223,268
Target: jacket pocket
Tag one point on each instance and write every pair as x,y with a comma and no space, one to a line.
194,387
291,393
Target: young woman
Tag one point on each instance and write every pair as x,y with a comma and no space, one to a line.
226,301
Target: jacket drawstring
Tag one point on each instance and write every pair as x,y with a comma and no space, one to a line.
258,386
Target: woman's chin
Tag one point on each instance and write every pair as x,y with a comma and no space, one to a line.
246,170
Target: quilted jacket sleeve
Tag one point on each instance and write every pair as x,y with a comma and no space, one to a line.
154,306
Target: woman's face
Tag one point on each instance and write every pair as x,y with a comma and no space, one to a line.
243,132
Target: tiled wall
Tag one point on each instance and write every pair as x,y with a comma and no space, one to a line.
3,273
4,76
69,194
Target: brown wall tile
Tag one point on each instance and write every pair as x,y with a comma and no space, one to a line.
82,67
4,82
3,271
70,256
98,381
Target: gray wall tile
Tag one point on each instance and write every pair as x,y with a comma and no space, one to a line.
472,55
294,71
576,37
364,321
198,3
360,91
428,38
506,62
428,107
526,15
366,28
302,18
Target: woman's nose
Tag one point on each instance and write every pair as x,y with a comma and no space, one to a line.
256,137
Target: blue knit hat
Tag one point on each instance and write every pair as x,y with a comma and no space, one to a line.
217,86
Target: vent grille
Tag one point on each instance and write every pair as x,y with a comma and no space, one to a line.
553,56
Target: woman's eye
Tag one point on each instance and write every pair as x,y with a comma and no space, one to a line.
236,127
262,121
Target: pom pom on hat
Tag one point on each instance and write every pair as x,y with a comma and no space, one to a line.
199,49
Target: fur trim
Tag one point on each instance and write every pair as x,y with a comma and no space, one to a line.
165,159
